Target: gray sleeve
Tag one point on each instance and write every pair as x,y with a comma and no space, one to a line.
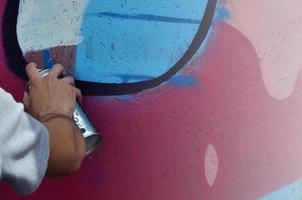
24,147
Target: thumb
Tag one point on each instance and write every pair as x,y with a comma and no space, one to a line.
26,100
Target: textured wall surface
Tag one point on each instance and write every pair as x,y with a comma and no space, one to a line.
227,126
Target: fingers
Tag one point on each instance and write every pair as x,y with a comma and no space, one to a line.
78,95
56,71
69,80
33,74
26,100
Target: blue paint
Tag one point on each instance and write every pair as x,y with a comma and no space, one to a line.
127,78
183,81
178,80
119,40
290,192
221,13
189,9
48,62
147,17
126,98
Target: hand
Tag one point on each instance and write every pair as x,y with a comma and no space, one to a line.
50,95
52,101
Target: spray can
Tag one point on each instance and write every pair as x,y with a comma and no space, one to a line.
88,130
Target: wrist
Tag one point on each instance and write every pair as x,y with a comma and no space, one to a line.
67,145
50,116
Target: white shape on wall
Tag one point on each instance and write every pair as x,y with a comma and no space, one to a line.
40,23
211,164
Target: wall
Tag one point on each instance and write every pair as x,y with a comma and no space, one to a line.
226,126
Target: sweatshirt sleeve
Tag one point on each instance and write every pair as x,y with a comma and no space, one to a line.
24,147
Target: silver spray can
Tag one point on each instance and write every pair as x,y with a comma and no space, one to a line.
89,132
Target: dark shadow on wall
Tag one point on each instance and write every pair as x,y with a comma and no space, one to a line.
17,62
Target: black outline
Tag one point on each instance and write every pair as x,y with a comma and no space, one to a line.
17,62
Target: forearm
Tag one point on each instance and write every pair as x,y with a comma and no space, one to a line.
67,146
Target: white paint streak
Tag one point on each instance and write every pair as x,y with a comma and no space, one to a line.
45,24
211,164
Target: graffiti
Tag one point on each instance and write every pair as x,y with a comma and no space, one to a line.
100,63
225,126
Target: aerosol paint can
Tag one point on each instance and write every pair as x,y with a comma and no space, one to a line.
90,134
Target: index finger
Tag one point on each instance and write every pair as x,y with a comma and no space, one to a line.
33,74
56,71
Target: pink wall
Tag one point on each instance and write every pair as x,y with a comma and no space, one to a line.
246,106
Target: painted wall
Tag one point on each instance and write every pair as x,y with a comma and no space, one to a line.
226,126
